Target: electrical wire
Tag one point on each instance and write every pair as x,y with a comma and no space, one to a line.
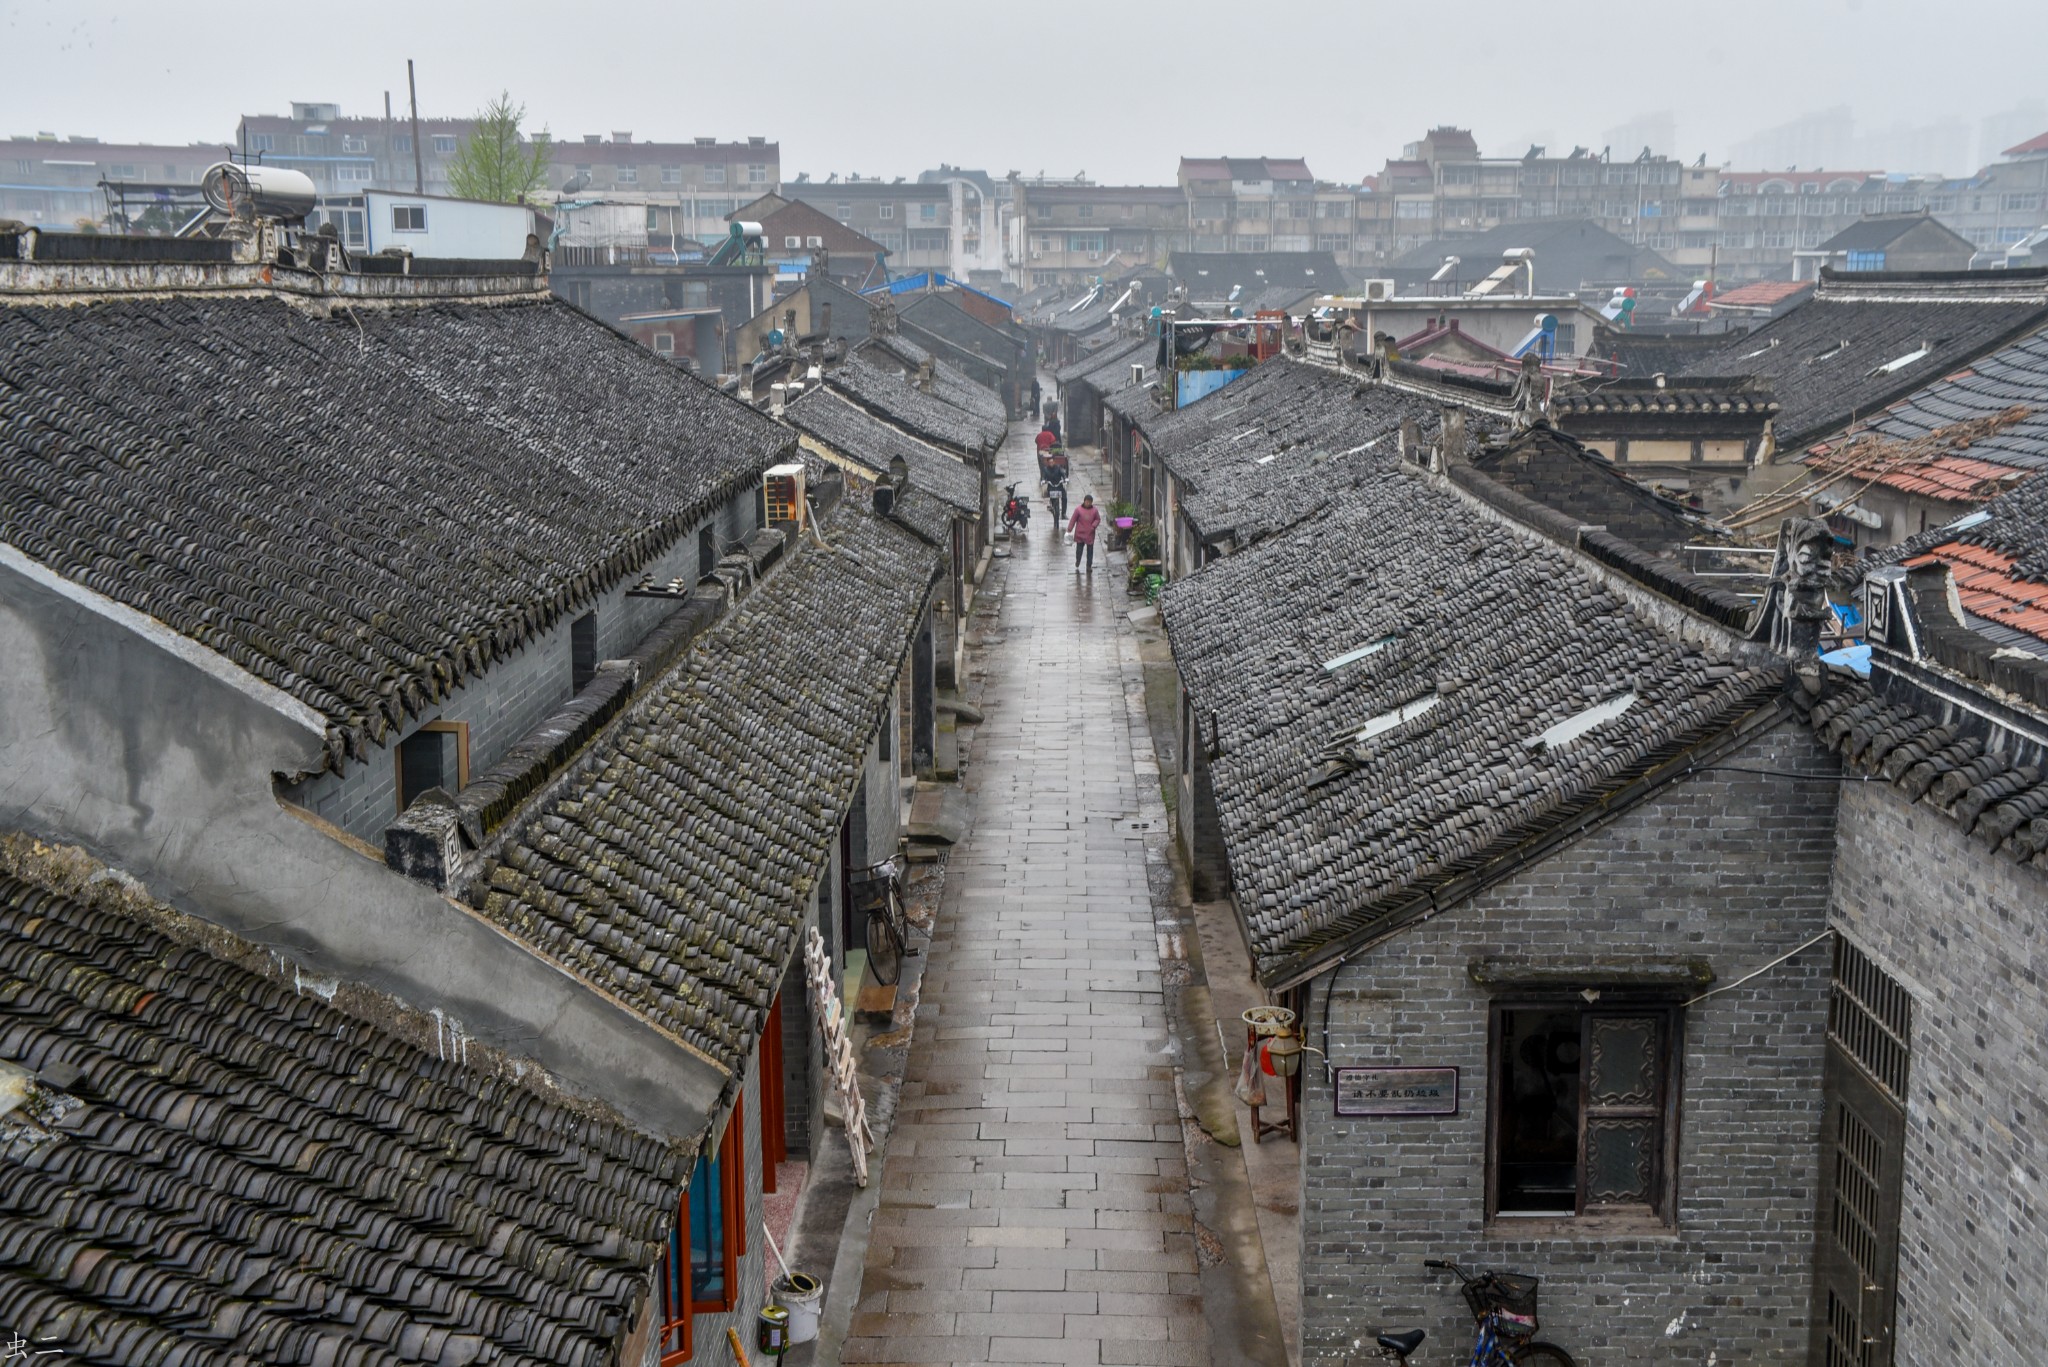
1758,972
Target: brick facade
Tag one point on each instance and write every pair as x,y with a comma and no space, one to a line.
512,697
1730,867
1962,928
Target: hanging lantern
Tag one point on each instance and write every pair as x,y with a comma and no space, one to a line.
1280,1055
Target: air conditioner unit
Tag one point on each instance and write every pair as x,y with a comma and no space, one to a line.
1378,291
782,493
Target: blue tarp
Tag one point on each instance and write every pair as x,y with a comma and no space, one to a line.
1190,385
931,280
1850,657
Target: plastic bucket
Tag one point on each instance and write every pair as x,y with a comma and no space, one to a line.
798,1293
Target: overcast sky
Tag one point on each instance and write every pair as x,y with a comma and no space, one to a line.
1117,90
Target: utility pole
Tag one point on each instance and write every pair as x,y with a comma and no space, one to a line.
419,169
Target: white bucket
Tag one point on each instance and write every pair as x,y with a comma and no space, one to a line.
798,1293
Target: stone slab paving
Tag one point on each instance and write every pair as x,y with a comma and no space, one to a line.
1034,1204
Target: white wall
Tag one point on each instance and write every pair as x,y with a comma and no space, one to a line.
461,228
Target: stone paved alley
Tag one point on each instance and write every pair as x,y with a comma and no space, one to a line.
1035,1200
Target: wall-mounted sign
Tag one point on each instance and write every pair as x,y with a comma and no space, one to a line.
1397,1091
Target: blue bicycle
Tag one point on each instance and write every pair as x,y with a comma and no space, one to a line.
1504,1304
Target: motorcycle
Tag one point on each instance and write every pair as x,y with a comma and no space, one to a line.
1016,510
1055,485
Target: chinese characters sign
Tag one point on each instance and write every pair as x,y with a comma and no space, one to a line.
1397,1091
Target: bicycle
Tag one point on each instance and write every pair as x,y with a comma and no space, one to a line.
878,891
1504,1305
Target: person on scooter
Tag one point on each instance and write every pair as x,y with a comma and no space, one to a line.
1054,466
1086,519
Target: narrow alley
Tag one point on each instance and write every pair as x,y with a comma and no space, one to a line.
1035,1203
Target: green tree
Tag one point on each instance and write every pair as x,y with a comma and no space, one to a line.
494,163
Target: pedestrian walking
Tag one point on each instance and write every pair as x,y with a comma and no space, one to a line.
1035,395
1085,520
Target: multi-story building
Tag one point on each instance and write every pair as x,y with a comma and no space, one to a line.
914,221
49,182
2002,203
977,238
1249,204
1062,233
689,188
346,156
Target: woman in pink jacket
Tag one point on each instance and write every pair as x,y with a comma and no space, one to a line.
1085,520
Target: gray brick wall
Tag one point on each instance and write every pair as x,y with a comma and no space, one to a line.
1729,867
517,693
1963,929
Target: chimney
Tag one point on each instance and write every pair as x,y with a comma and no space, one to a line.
1137,373
747,383
825,318
1454,437
1411,442
777,393
885,497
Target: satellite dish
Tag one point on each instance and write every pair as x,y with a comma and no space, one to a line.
775,337
576,184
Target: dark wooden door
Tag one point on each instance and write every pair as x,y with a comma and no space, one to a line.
1863,1139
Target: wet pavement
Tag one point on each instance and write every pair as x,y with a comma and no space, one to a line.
1035,1203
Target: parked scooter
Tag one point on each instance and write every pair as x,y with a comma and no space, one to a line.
1016,510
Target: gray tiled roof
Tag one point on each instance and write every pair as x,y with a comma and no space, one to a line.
2014,376
1556,470
216,1169
949,415
1107,360
1499,638
1321,431
859,435
674,872
1210,276
2002,804
949,381
363,510
1827,358
2013,524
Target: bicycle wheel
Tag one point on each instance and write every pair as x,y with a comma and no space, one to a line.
885,947
1541,1355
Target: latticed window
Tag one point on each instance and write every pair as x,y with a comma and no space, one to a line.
1584,1110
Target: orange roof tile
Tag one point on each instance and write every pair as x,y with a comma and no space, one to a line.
1985,584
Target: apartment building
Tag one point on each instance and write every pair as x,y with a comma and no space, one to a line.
52,182
2000,205
690,189
914,221
1064,233
1249,204
346,156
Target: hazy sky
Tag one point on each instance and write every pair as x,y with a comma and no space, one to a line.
1114,89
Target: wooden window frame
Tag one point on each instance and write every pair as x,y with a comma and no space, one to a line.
732,1188
1663,1209
774,1116
461,732
730,1225
667,1323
